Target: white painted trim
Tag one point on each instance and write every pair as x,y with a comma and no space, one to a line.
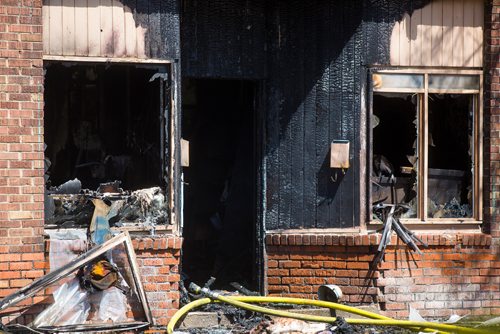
107,60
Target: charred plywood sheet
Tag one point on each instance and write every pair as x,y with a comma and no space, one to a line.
443,33
111,28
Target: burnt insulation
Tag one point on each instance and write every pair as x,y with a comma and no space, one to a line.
312,57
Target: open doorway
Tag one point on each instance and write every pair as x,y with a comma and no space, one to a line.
220,182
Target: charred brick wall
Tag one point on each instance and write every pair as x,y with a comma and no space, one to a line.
457,273
21,144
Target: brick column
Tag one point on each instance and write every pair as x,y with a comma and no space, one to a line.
492,118
158,259
21,144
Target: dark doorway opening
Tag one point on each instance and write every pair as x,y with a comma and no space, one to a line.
104,123
220,182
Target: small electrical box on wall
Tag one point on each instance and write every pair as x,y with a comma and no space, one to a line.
339,154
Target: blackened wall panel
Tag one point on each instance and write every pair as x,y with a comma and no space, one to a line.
318,55
324,71
312,57
170,29
223,38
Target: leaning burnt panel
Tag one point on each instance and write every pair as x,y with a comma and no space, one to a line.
395,158
103,133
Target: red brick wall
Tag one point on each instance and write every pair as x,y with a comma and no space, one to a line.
159,260
21,144
492,118
458,273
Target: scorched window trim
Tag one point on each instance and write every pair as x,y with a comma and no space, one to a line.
422,138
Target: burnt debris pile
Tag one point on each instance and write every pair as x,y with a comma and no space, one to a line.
70,206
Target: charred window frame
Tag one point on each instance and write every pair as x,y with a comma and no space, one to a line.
424,87
168,75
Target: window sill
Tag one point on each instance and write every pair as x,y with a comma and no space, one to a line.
431,238
138,230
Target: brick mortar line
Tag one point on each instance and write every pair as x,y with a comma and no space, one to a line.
463,239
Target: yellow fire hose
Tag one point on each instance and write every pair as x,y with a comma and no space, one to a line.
374,319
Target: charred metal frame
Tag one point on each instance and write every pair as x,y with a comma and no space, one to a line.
422,136
43,282
260,190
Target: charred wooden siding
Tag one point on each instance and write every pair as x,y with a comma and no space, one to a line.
318,57
313,56
223,38
112,28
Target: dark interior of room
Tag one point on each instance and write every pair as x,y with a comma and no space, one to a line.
394,148
395,128
450,155
219,207
449,163
103,123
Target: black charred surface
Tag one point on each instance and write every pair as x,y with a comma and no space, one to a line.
161,21
223,38
313,57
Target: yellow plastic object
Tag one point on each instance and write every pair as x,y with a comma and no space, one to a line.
376,319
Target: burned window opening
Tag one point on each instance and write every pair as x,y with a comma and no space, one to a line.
426,144
104,136
394,149
450,156
219,202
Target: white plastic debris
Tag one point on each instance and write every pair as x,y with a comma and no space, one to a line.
113,306
65,246
415,316
70,307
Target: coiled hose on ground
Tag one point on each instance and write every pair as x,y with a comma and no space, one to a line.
373,318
